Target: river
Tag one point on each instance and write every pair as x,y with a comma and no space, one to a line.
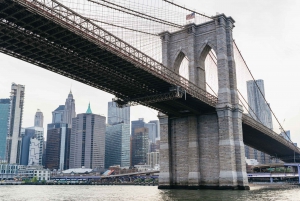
144,193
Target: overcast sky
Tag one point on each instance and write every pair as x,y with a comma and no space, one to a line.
267,33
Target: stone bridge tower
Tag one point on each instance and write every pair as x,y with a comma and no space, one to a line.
207,150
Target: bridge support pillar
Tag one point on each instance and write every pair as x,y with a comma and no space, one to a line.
207,150
202,152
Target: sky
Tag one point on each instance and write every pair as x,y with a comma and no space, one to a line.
266,32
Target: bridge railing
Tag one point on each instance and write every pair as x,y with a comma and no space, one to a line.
69,19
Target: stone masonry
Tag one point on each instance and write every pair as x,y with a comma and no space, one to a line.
207,150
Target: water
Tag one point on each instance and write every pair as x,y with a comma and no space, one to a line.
144,193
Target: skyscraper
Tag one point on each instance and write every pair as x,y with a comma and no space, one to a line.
4,123
87,146
117,136
152,130
137,124
260,111
157,129
69,110
117,145
14,140
38,119
117,115
32,146
58,146
139,146
58,114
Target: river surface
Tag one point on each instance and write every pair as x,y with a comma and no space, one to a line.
144,193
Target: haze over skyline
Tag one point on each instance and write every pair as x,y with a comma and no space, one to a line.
265,32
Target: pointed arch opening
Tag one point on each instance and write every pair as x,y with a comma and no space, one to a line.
181,65
208,71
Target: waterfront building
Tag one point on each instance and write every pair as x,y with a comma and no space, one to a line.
39,119
139,146
14,138
32,146
41,174
117,145
153,159
87,146
58,114
58,146
117,115
69,110
12,171
4,125
260,111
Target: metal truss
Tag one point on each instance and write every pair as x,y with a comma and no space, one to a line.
174,93
84,27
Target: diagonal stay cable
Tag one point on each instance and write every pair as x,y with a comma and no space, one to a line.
139,14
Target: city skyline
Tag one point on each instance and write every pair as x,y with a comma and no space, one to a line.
260,54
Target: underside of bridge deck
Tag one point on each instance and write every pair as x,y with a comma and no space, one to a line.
263,139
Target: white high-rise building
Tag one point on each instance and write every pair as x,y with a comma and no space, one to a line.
117,115
14,138
35,146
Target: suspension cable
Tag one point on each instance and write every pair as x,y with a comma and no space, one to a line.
139,15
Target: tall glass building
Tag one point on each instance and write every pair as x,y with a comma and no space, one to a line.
139,146
117,145
4,123
117,136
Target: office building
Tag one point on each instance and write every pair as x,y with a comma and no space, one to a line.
137,124
117,145
58,114
4,124
32,146
87,146
157,129
39,119
69,110
58,146
14,139
117,115
139,146
117,136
